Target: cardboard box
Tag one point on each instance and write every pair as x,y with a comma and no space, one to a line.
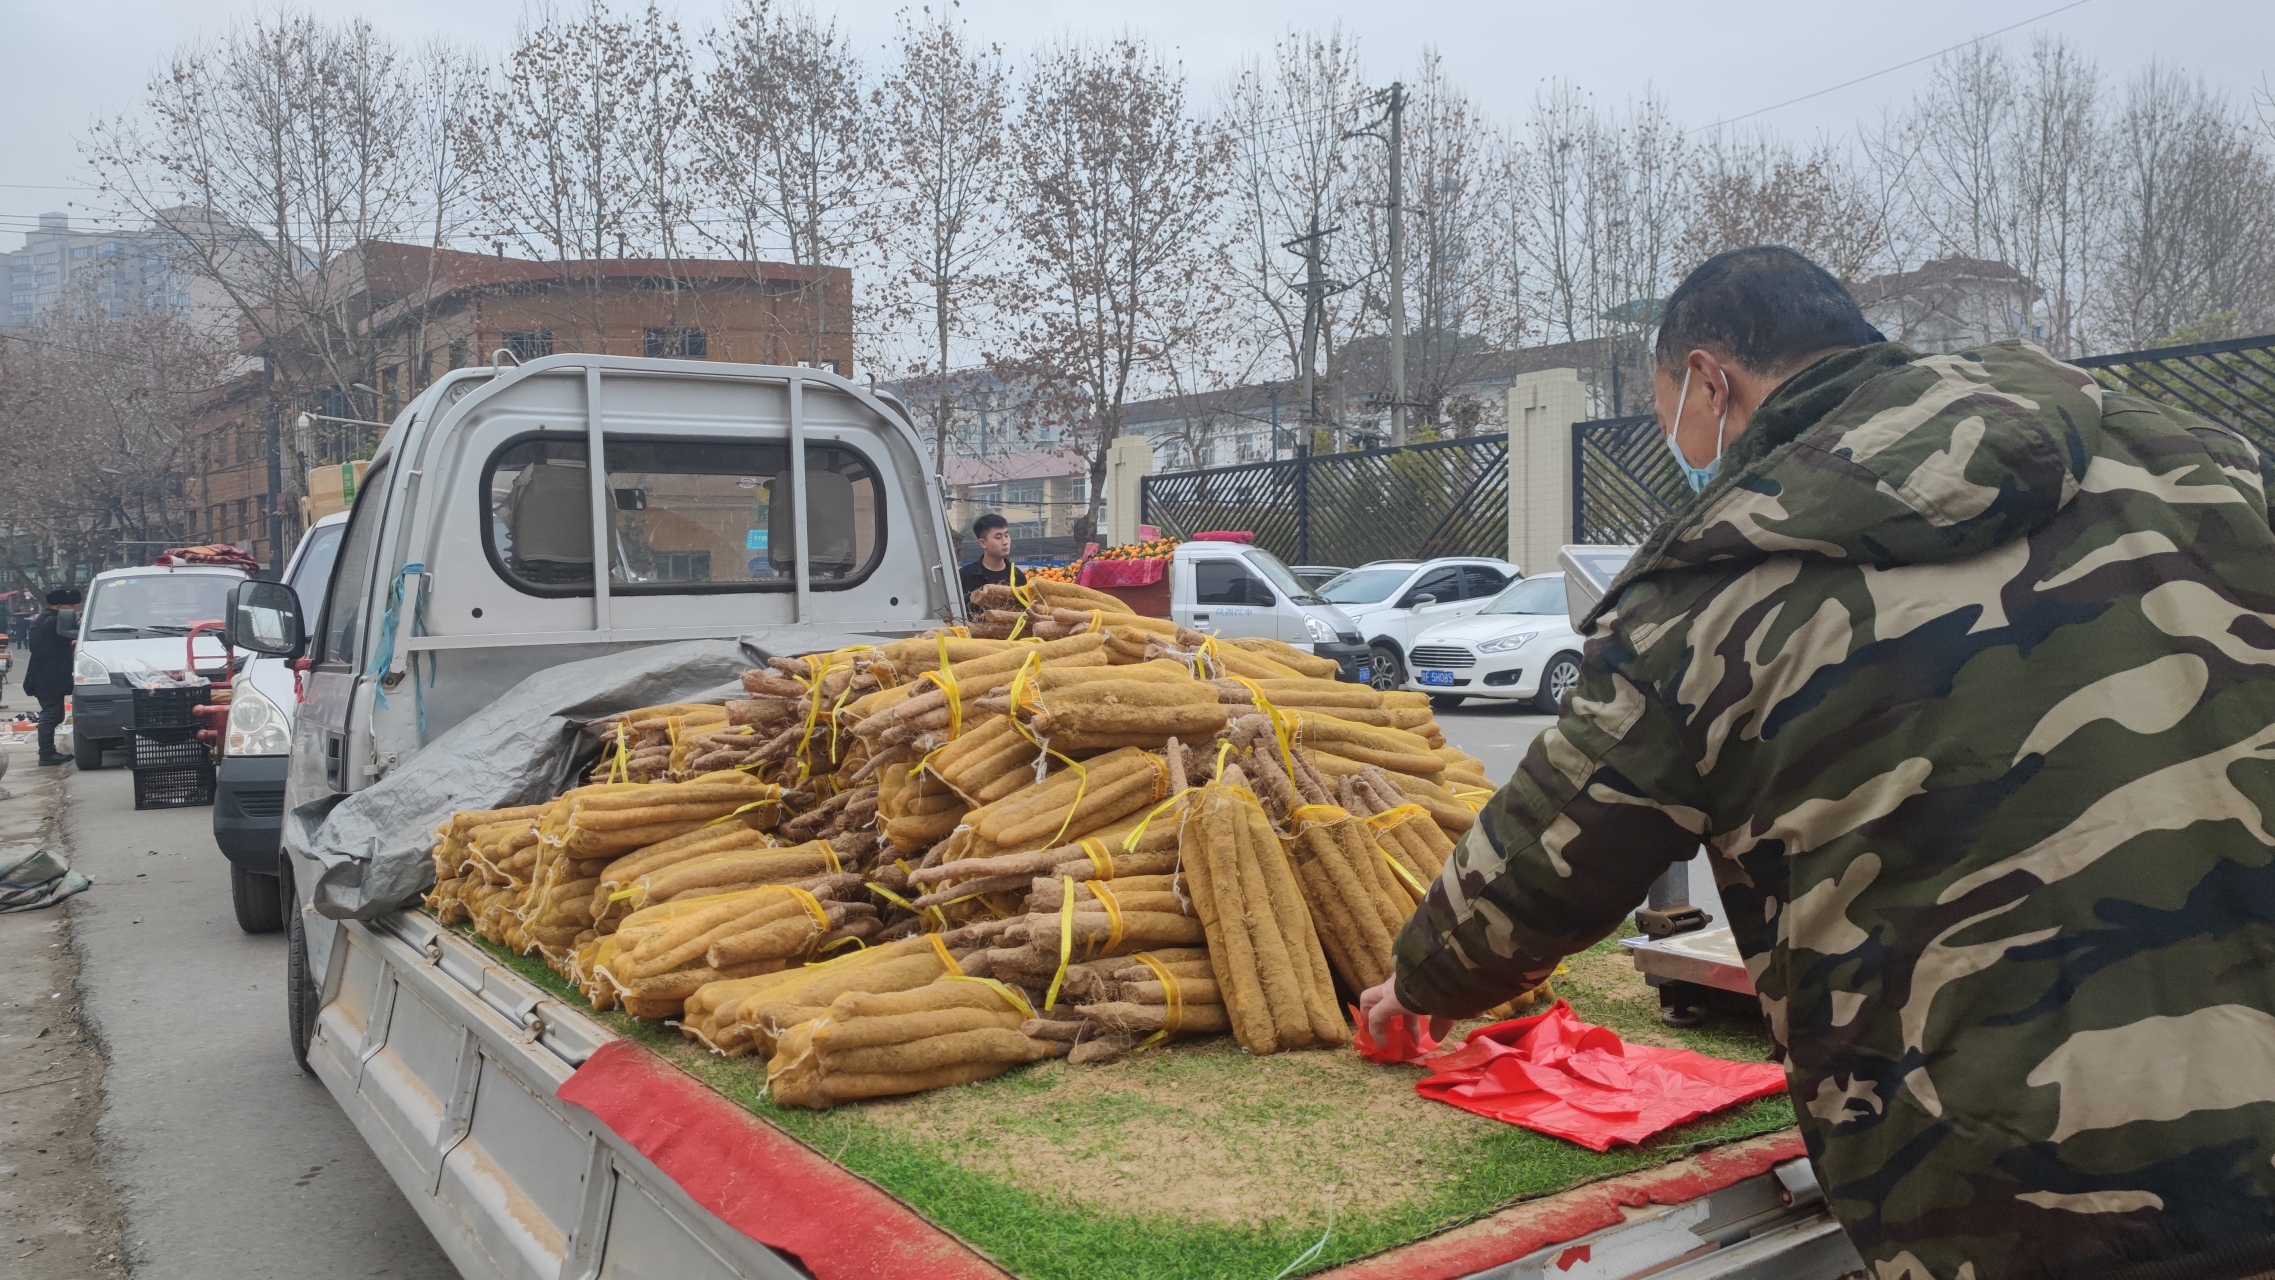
331,490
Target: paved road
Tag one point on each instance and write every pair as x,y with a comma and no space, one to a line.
231,1162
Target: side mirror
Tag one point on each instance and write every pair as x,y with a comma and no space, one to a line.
1416,602
67,624
631,499
264,617
1259,594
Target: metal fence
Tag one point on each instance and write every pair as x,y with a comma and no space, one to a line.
1450,497
2232,383
1442,498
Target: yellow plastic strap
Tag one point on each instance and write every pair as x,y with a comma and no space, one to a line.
939,920
946,680
856,943
812,905
1081,785
1010,994
1281,729
1172,1001
1100,861
947,961
736,813
1404,874
1113,916
1097,619
1017,626
830,850
1474,798
621,771
1308,815
1389,818
1066,942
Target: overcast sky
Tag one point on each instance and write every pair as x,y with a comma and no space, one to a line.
71,62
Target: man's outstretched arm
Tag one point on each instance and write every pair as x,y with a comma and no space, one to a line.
1559,856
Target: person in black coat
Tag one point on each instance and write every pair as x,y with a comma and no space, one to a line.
48,676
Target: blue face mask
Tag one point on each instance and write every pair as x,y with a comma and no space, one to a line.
1697,477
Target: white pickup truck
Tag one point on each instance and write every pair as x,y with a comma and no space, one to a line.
584,506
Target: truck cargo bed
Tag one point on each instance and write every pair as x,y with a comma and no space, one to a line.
450,1063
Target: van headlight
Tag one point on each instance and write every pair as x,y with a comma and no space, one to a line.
1503,644
89,669
1322,632
257,726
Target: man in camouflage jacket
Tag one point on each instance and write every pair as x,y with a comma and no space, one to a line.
1961,666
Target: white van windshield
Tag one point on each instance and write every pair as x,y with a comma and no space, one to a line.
1279,575
157,604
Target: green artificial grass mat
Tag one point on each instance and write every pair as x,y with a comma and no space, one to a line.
1199,1161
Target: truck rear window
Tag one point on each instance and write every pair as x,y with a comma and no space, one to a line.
684,515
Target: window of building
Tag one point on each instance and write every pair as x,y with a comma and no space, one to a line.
1024,493
529,344
110,249
678,343
82,251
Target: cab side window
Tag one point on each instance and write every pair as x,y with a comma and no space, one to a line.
351,575
1224,582
1445,584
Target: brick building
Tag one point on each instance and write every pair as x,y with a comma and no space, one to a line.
410,314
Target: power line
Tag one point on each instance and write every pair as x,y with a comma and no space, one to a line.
1913,62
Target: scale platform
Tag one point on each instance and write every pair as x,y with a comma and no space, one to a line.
1707,958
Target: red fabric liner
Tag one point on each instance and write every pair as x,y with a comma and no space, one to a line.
1225,535
1122,573
760,1180
1555,1074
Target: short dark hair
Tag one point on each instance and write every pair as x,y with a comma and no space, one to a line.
991,521
1765,307
64,595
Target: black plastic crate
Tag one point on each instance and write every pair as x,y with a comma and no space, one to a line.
169,708
178,787
165,748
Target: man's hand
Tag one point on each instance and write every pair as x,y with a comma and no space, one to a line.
1379,1004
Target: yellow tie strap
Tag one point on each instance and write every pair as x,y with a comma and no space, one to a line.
947,961
1389,818
1172,1001
1066,942
1113,907
1100,860
1010,994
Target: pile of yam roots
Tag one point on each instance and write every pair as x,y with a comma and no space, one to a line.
912,865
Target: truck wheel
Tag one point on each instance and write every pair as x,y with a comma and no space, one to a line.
1446,701
1384,670
300,987
259,902
86,752
1559,680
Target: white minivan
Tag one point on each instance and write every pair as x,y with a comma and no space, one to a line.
137,622
1235,590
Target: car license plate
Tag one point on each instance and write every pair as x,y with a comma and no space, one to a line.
1436,677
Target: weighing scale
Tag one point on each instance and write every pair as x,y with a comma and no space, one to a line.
1680,951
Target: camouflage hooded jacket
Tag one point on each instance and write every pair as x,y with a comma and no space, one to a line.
1965,671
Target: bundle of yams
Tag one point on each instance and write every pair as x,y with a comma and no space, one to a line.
911,865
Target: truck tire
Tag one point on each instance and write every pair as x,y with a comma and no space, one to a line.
1560,677
86,752
258,899
1385,671
300,986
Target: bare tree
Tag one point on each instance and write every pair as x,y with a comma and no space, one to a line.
2195,215
1764,190
93,402
941,112
1289,122
786,148
1462,303
1116,193
577,149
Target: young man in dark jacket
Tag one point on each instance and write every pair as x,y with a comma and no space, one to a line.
1963,667
47,676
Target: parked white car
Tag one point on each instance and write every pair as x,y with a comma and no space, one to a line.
1520,646
1394,601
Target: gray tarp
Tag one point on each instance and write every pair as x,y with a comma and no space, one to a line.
523,748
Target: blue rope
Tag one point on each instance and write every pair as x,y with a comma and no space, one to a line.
384,656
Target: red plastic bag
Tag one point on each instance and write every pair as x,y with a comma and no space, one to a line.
1555,1074
1400,1046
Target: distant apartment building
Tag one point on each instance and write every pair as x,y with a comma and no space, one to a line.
421,313
128,271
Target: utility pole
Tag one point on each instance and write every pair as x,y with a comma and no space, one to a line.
1316,288
1397,264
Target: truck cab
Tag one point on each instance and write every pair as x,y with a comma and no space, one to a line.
138,621
1236,590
